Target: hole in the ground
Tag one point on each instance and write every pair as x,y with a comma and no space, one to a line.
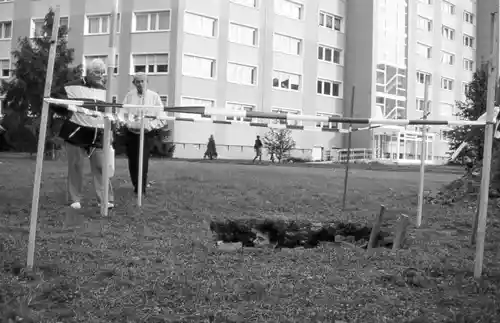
293,234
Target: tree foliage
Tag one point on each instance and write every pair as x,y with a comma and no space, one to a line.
24,90
279,143
471,109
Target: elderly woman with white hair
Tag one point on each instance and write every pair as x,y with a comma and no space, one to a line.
83,133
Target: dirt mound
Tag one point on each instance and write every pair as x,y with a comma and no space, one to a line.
466,188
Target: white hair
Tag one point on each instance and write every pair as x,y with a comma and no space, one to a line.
97,64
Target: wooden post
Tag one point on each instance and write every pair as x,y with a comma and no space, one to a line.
141,154
423,157
376,228
41,139
109,98
475,221
141,147
488,147
349,140
403,223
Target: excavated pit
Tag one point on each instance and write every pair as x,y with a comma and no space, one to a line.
294,234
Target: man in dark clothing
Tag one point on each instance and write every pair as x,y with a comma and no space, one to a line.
258,149
153,106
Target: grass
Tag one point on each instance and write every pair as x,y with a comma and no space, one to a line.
159,264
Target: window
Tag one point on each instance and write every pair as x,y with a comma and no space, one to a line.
447,7
424,51
5,29
243,34
241,74
330,21
469,17
288,9
287,44
424,23
446,110
448,33
200,25
150,63
329,88
286,111
151,21
239,107
423,77
465,88
198,66
329,125
468,64
447,84
114,99
287,81
98,24
468,41
329,54
447,58
4,68
38,24
164,100
89,58
420,106
189,101
444,135
248,3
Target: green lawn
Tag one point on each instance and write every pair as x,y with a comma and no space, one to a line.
159,264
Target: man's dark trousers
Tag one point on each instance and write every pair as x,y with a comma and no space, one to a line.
133,144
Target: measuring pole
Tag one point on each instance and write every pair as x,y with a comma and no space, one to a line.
109,98
423,157
346,177
488,146
141,147
141,159
41,139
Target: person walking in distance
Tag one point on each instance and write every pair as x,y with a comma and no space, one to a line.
83,134
258,149
211,151
140,95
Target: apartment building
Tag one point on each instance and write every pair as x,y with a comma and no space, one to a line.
413,43
281,56
286,56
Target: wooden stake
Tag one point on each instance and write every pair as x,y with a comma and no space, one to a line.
109,98
488,147
41,139
475,221
141,155
141,148
376,228
349,141
423,157
403,223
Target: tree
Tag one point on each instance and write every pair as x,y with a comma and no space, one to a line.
471,109
24,90
279,143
